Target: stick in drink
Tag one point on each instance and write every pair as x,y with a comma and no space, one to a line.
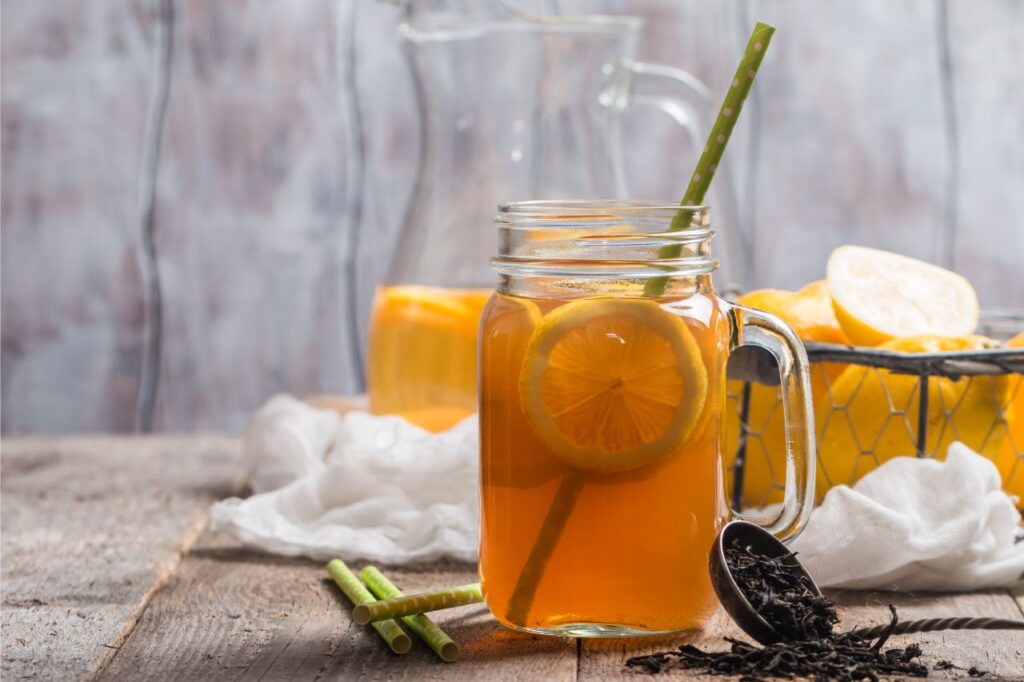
567,495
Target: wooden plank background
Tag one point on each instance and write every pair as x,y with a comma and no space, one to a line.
92,529
131,587
238,171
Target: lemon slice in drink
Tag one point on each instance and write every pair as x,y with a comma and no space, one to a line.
879,296
612,384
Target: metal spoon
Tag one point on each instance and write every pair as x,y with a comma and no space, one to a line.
736,604
743,613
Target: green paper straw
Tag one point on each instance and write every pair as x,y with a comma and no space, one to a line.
533,570
721,131
358,594
569,490
417,603
427,630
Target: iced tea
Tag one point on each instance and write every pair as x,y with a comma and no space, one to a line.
609,412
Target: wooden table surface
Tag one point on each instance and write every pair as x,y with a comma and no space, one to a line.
109,572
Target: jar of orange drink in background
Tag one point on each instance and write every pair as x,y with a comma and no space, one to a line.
602,390
422,353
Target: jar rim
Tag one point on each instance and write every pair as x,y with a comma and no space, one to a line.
602,237
559,214
589,208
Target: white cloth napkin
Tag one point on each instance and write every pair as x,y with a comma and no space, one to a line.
917,524
355,487
379,488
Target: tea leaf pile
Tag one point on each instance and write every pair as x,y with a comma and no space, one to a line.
781,595
810,648
843,658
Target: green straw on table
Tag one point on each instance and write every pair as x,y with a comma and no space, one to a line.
569,490
427,630
417,603
358,594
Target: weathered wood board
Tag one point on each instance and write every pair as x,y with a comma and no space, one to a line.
852,146
91,528
74,97
289,149
254,262
988,117
228,612
103,578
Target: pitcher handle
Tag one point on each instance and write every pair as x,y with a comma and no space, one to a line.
752,327
688,102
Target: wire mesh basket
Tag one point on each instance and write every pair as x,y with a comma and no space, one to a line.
873,404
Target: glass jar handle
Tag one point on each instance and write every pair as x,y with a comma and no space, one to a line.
688,102
675,92
752,327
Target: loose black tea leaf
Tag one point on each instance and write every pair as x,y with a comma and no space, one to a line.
781,595
973,671
805,619
841,657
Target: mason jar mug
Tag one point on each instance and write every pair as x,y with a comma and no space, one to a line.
602,377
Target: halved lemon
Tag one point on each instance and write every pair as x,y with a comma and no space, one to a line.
879,296
612,384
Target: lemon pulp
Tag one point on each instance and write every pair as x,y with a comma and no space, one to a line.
879,296
612,384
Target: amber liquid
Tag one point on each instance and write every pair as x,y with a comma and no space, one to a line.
422,353
633,553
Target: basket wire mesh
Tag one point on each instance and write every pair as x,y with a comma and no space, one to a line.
891,403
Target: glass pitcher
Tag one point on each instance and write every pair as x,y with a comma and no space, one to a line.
513,106
602,393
